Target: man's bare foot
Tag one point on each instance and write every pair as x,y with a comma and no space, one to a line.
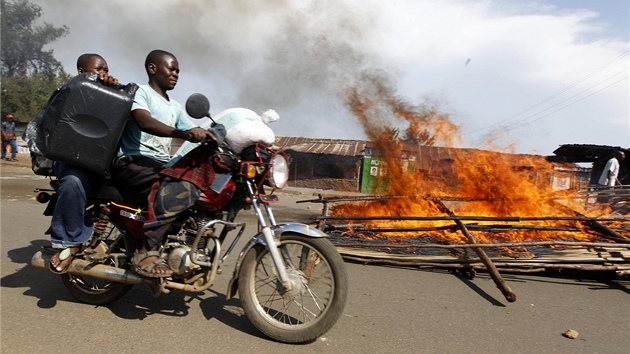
60,261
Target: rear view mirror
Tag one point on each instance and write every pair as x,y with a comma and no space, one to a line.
198,106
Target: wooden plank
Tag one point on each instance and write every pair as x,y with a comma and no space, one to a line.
616,255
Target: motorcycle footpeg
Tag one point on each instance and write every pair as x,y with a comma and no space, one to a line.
95,257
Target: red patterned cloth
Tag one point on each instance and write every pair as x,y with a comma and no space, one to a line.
199,167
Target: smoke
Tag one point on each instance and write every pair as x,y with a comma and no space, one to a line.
294,57
373,99
299,57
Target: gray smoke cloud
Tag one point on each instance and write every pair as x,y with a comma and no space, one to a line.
483,61
295,57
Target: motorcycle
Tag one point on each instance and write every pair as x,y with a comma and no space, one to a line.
291,281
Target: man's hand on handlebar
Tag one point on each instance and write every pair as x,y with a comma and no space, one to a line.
197,134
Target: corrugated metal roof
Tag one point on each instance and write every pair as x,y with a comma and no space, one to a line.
322,146
425,155
584,153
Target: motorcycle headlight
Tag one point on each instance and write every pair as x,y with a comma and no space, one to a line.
279,173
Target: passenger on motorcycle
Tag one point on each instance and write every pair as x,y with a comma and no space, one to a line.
71,225
146,142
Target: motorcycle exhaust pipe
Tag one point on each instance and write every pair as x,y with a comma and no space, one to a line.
85,268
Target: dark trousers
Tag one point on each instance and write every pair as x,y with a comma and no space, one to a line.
135,175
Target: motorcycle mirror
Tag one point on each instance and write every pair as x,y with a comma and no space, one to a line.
198,106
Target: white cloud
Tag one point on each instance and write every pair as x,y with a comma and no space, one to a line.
492,64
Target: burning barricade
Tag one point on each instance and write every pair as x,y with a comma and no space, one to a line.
466,209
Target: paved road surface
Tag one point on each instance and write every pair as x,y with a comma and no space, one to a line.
390,310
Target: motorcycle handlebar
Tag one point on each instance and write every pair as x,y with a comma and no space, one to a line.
190,137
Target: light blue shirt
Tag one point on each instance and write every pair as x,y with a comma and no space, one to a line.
135,142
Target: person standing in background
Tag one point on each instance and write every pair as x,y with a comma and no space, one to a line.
8,138
611,170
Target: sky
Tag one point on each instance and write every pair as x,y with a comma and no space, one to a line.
513,75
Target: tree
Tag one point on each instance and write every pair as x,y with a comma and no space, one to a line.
23,41
416,134
29,73
391,133
24,95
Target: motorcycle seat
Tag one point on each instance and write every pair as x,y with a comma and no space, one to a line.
109,191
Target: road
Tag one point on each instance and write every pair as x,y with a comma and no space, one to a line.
390,310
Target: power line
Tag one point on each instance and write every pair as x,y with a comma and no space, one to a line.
524,123
565,100
563,107
497,124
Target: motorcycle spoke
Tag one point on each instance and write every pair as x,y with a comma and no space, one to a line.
284,317
316,300
92,285
270,298
303,315
266,279
307,315
112,250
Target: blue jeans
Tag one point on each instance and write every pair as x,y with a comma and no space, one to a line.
71,225
14,148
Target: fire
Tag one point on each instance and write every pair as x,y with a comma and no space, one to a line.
479,183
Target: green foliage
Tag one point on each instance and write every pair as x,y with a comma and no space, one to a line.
29,73
23,40
24,95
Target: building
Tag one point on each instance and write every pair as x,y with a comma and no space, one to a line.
598,155
351,165
324,163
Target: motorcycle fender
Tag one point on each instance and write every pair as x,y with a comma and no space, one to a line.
278,230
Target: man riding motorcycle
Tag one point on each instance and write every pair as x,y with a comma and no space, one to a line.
291,280
145,147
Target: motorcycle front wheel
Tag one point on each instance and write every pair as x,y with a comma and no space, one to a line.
316,300
100,292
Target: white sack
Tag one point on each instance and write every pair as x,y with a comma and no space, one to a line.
244,127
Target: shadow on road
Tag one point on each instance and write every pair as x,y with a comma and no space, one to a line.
137,304
39,284
474,287
229,312
591,280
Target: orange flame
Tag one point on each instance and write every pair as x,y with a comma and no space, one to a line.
478,182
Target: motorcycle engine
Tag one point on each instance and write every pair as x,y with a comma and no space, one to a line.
179,260
179,255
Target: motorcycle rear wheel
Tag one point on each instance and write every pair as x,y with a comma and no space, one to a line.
315,303
100,292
